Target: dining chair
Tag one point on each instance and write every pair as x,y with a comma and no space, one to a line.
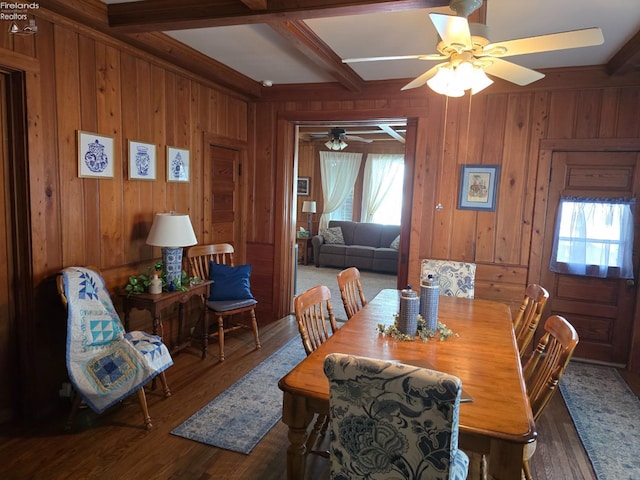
545,368
230,293
456,279
105,363
390,420
351,292
313,311
528,317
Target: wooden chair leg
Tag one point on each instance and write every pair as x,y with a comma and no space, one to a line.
145,410
254,325
221,336
526,471
165,385
205,334
318,430
74,410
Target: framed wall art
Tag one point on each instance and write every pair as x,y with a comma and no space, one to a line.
142,161
478,187
95,155
304,184
177,164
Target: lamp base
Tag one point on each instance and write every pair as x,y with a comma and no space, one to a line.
172,260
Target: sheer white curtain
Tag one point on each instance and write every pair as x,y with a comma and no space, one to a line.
594,237
339,171
380,171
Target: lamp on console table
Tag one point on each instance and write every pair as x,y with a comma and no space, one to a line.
172,231
309,207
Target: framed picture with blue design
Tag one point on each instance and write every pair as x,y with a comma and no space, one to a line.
479,187
142,161
177,164
96,157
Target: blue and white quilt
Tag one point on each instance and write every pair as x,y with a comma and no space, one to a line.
105,363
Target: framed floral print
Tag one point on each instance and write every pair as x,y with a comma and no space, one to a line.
478,187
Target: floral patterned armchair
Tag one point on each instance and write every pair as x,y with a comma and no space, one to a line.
389,420
457,279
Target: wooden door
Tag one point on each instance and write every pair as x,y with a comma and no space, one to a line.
601,309
225,210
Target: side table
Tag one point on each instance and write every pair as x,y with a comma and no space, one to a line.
304,245
155,303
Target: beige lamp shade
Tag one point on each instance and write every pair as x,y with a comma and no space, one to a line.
309,206
171,230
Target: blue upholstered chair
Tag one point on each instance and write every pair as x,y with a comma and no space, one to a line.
389,420
457,279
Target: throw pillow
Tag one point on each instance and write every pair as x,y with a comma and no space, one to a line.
396,243
229,283
333,235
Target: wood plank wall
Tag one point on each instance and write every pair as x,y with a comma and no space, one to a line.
80,79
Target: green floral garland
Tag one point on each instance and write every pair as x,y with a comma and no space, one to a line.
441,333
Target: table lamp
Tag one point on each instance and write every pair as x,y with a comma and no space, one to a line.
172,231
309,207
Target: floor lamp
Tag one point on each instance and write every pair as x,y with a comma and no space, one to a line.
172,231
309,207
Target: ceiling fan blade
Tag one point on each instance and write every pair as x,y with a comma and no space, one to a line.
546,43
511,72
454,31
431,56
355,138
422,79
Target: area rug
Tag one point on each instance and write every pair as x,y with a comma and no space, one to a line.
606,414
238,418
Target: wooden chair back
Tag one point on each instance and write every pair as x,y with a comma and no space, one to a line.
313,311
351,291
529,314
199,257
545,368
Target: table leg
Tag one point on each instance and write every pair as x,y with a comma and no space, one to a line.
297,417
505,460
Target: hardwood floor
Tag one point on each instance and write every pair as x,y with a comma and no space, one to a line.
116,446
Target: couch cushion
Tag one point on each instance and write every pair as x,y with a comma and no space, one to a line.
386,253
367,234
347,229
333,249
359,251
387,234
332,235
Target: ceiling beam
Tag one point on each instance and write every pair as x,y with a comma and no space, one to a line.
165,15
627,59
256,4
315,49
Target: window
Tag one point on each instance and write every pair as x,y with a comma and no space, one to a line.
594,237
382,189
344,211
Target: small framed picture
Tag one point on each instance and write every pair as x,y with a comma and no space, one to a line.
304,184
479,187
177,164
142,161
95,155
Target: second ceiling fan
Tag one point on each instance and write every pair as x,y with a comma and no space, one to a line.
468,55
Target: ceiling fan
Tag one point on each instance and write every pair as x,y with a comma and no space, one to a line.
337,138
468,55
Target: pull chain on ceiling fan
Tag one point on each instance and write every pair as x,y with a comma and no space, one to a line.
469,55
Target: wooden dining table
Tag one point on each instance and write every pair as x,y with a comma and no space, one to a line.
497,421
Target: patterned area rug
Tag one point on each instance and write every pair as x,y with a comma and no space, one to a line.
606,414
238,418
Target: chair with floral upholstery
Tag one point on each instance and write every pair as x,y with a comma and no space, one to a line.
389,420
456,279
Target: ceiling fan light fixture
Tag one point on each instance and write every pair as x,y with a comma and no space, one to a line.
336,144
453,80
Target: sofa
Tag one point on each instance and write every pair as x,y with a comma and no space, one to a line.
367,246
